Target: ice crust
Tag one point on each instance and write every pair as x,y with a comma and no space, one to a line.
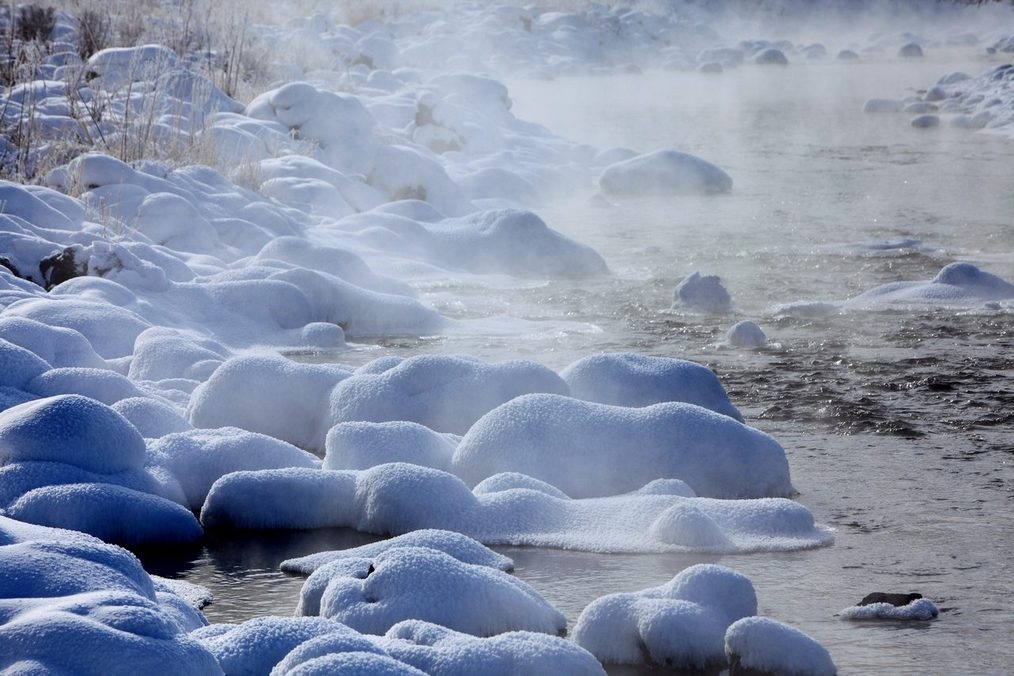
919,609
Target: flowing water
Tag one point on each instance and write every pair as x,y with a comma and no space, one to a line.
897,424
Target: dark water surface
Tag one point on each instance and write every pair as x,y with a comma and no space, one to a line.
897,424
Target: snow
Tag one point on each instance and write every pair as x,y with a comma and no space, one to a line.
919,609
462,548
371,595
587,449
630,379
71,604
399,498
770,646
702,293
746,334
70,429
360,445
955,284
444,393
664,172
680,624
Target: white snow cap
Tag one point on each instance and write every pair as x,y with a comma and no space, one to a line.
768,646
679,625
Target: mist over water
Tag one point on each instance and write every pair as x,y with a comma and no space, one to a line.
896,423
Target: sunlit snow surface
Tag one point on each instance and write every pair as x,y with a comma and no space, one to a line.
378,211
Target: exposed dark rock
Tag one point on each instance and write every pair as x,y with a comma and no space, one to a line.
59,267
894,599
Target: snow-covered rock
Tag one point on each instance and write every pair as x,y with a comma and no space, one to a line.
767,646
746,334
587,449
664,172
702,293
629,379
680,624
373,594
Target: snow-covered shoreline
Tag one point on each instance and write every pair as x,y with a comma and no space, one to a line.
144,304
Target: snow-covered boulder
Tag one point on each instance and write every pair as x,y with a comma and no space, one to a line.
587,449
918,609
360,445
664,172
73,605
271,395
629,379
746,334
702,293
678,625
955,284
765,646
444,393
373,594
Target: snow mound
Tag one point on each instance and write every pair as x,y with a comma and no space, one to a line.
71,429
270,395
360,445
629,379
73,605
257,645
746,334
373,594
57,346
956,284
680,624
703,293
461,547
664,172
151,417
587,449
919,609
767,646
18,366
444,393
197,458
399,498
444,652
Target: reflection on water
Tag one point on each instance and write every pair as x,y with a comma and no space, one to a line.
897,424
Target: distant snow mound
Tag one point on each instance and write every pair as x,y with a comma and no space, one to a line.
746,334
664,172
955,284
703,293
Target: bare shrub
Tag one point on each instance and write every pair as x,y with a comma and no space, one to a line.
94,32
35,23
